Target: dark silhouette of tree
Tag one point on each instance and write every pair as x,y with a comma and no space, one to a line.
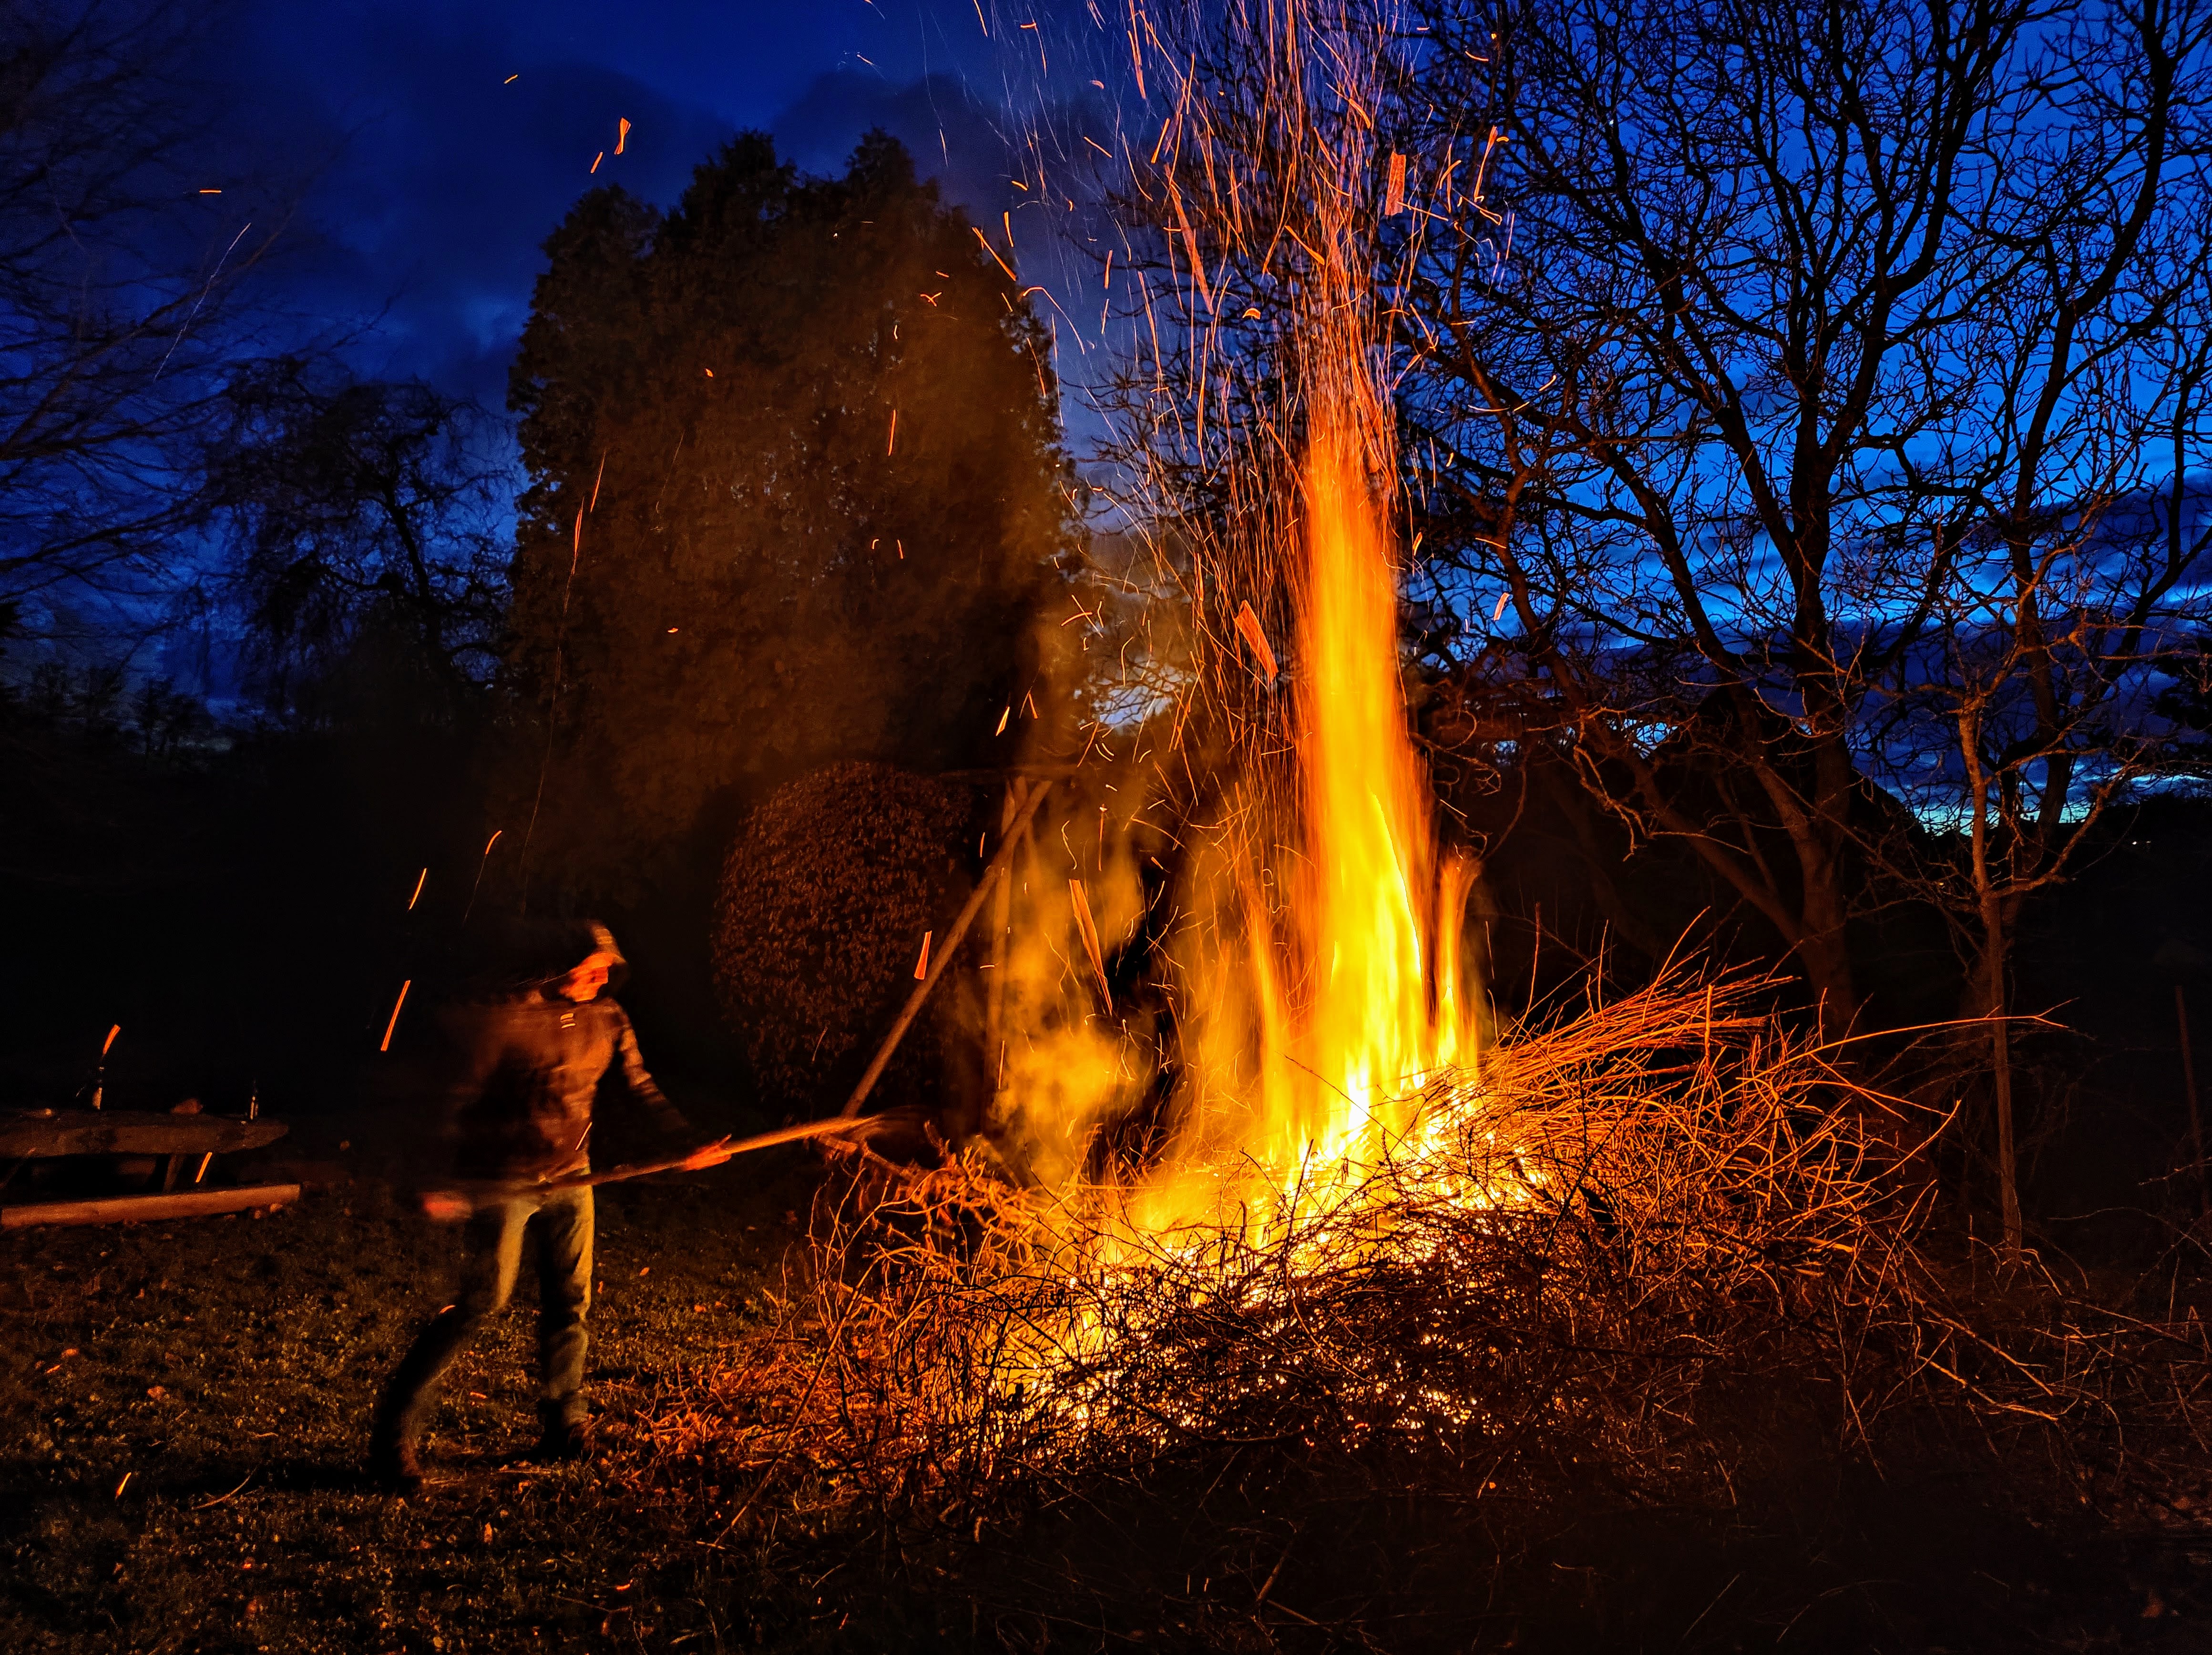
794,497
367,534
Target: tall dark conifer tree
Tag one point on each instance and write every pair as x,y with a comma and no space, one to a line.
819,423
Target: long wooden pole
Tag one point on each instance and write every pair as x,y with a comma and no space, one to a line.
490,1195
148,1208
997,871
994,992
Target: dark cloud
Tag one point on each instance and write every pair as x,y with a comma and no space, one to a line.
415,182
952,137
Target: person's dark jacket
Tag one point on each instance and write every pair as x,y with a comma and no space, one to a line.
501,1078
525,1072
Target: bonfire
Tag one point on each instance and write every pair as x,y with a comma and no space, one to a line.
1374,1231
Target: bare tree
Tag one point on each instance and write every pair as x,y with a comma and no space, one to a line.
2029,706
1734,329
367,519
119,265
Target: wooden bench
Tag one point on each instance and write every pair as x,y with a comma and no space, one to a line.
44,1134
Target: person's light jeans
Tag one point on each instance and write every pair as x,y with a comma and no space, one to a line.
491,1260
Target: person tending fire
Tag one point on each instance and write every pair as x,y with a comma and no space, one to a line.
522,1068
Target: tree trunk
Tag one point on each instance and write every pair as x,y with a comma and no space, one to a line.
1993,1002
2188,1090
1824,956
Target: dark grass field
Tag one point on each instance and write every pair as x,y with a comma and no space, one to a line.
184,1409
185,1404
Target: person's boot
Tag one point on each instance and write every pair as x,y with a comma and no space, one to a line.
392,1465
564,1438
407,1400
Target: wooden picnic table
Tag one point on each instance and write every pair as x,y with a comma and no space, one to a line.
33,1134
43,1134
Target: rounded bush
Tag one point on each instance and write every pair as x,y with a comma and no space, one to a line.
824,897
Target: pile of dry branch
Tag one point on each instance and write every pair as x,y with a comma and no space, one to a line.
1641,1248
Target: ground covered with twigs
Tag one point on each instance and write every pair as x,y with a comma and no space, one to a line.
1628,1345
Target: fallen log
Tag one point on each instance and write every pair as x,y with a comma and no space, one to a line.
126,1133
148,1209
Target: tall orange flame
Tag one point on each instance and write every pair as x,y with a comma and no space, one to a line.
1370,1034
1310,1028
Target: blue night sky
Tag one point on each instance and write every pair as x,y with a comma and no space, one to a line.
416,181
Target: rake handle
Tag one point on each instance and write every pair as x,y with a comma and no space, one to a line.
491,1194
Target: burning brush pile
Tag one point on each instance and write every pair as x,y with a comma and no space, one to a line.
1637,1251
1636,1287
1651,1210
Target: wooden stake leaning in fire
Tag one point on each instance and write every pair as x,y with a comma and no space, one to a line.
1080,901
1000,866
1001,919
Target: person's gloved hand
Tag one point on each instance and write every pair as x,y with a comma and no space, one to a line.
707,1155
